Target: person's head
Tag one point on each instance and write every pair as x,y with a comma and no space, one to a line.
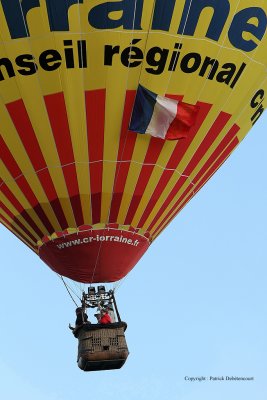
79,310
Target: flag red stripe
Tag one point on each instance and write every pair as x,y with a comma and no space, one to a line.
181,125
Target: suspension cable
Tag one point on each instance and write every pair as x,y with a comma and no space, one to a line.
68,290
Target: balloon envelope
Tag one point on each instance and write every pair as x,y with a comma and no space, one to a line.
78,187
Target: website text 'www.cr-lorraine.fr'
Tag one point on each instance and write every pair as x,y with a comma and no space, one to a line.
97,238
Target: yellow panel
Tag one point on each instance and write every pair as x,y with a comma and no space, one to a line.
120,56
13,187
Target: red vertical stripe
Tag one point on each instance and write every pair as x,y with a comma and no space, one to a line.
176,157
95,113
230,147
9,160
212,134
17,222
153,152
219,150
209,139
57,113
21,120
126,147
24,213
16,173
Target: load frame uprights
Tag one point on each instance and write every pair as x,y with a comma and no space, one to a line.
98,297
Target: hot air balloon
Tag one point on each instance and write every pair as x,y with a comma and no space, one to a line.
82,184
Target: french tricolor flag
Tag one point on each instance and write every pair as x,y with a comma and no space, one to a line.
160,116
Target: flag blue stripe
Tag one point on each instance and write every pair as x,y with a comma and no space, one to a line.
143,109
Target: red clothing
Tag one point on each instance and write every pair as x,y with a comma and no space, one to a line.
105,319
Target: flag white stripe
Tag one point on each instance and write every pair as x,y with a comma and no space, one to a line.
165,111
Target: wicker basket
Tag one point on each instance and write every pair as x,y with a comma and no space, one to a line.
102,347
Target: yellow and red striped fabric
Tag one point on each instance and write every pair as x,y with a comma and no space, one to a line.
68,83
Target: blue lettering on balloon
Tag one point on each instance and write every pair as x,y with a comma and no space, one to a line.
240,24
58,13
191,15
163,12
99,16
15,12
